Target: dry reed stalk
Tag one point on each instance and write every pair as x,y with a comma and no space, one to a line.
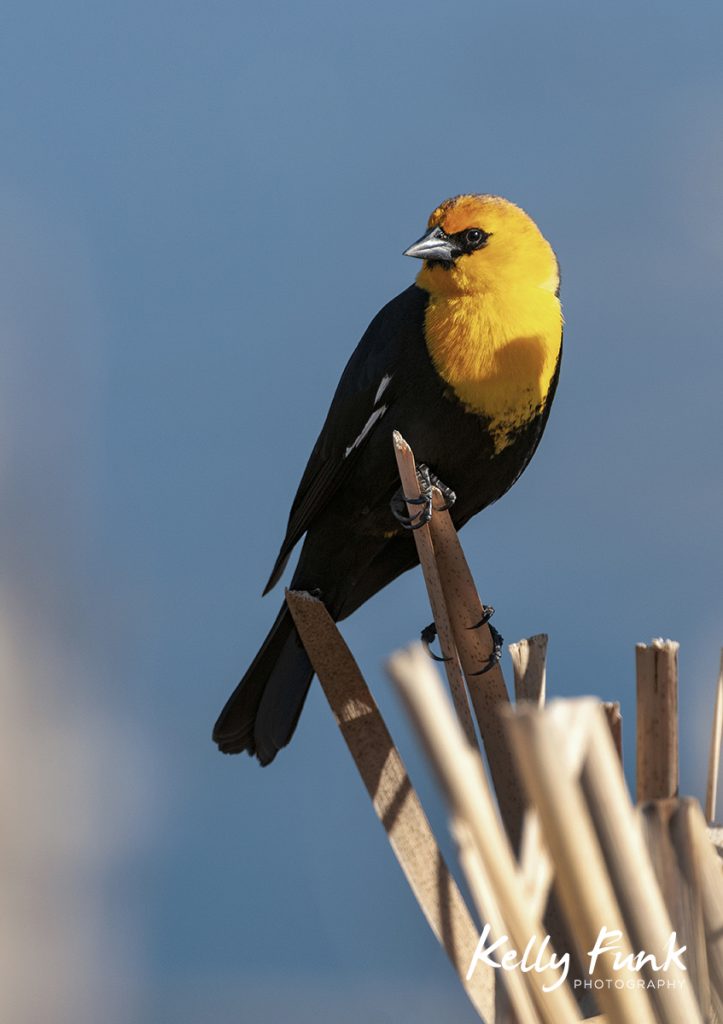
529,664
542,742
615,724
631,871
657,720
519,1007
395,801
535,864
714,755
487,692
425,551
529,660
465,785
667,832
711,879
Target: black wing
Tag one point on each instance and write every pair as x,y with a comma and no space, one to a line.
364,394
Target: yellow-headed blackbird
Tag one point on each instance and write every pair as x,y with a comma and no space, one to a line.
465,364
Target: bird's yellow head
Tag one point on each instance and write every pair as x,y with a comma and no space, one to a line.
482,244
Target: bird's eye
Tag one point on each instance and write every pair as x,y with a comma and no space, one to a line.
474,236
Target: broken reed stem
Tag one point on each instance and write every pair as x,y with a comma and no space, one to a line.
393,797
657,720
425,550
711,880
581,876
487,692
529,664
535,864
615,724
630,868
711,794
461,775
666,826
489,911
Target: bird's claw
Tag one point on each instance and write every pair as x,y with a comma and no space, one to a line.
494,658
447,493
398,506
400,502
427,481
427,635
487,613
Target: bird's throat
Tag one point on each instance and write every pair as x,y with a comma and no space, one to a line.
497,354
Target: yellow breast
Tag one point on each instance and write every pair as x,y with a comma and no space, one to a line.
497,352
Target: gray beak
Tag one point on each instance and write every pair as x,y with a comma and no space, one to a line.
435,245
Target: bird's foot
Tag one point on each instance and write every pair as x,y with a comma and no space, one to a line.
427,635
427,481
447,493
400,502
494,658
487,613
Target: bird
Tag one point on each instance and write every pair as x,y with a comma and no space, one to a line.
465,364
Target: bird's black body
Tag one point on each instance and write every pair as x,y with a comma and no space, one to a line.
353,545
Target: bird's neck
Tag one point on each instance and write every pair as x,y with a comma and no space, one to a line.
497,352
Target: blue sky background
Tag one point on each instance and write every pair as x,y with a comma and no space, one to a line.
201,208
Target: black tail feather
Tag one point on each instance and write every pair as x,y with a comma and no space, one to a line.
261,714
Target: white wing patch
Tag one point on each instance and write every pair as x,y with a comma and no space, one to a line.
382,387
374,418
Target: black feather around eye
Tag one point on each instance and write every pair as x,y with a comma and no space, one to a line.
470,240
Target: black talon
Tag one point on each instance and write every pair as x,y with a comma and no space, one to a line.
398,506
406,521
487,613
423,517
427,481
449,500
400,502
427,636
496,654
